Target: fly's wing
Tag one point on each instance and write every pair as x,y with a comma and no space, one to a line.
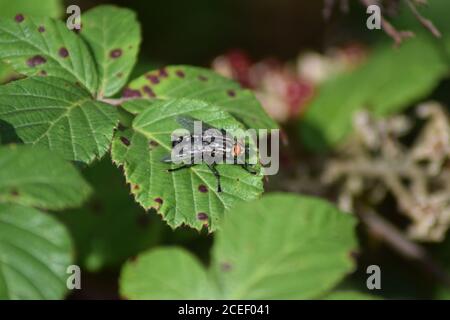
187,122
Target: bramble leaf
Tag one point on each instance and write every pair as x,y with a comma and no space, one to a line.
44,46
389,81
187,196
52,112
282,246
114,36
166,273
205,85
52,8
35,251
37,177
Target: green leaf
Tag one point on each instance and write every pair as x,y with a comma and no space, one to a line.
282,246
6,72
35,251
38,45
52,112
166,274
111,227
179,196
49,8
202,84
389,82
114,36
37,177
52,8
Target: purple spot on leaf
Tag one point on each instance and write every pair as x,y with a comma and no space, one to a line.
63,52
149,91
36,60
43,73
226,266
163,73
154,79
19,18
231,93
202,216
202,188
41,29
180,73
153,143
130,93
125,141
158,200
115,53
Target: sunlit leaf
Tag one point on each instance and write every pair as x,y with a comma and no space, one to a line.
44,46
188,196
202,84
114,36
52,112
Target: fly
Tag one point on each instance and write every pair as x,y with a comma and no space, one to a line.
211,145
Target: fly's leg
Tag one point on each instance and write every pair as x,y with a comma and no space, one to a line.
248,168
216,173
185,166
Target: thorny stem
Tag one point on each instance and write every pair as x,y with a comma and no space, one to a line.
425,22
400,243
390,30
